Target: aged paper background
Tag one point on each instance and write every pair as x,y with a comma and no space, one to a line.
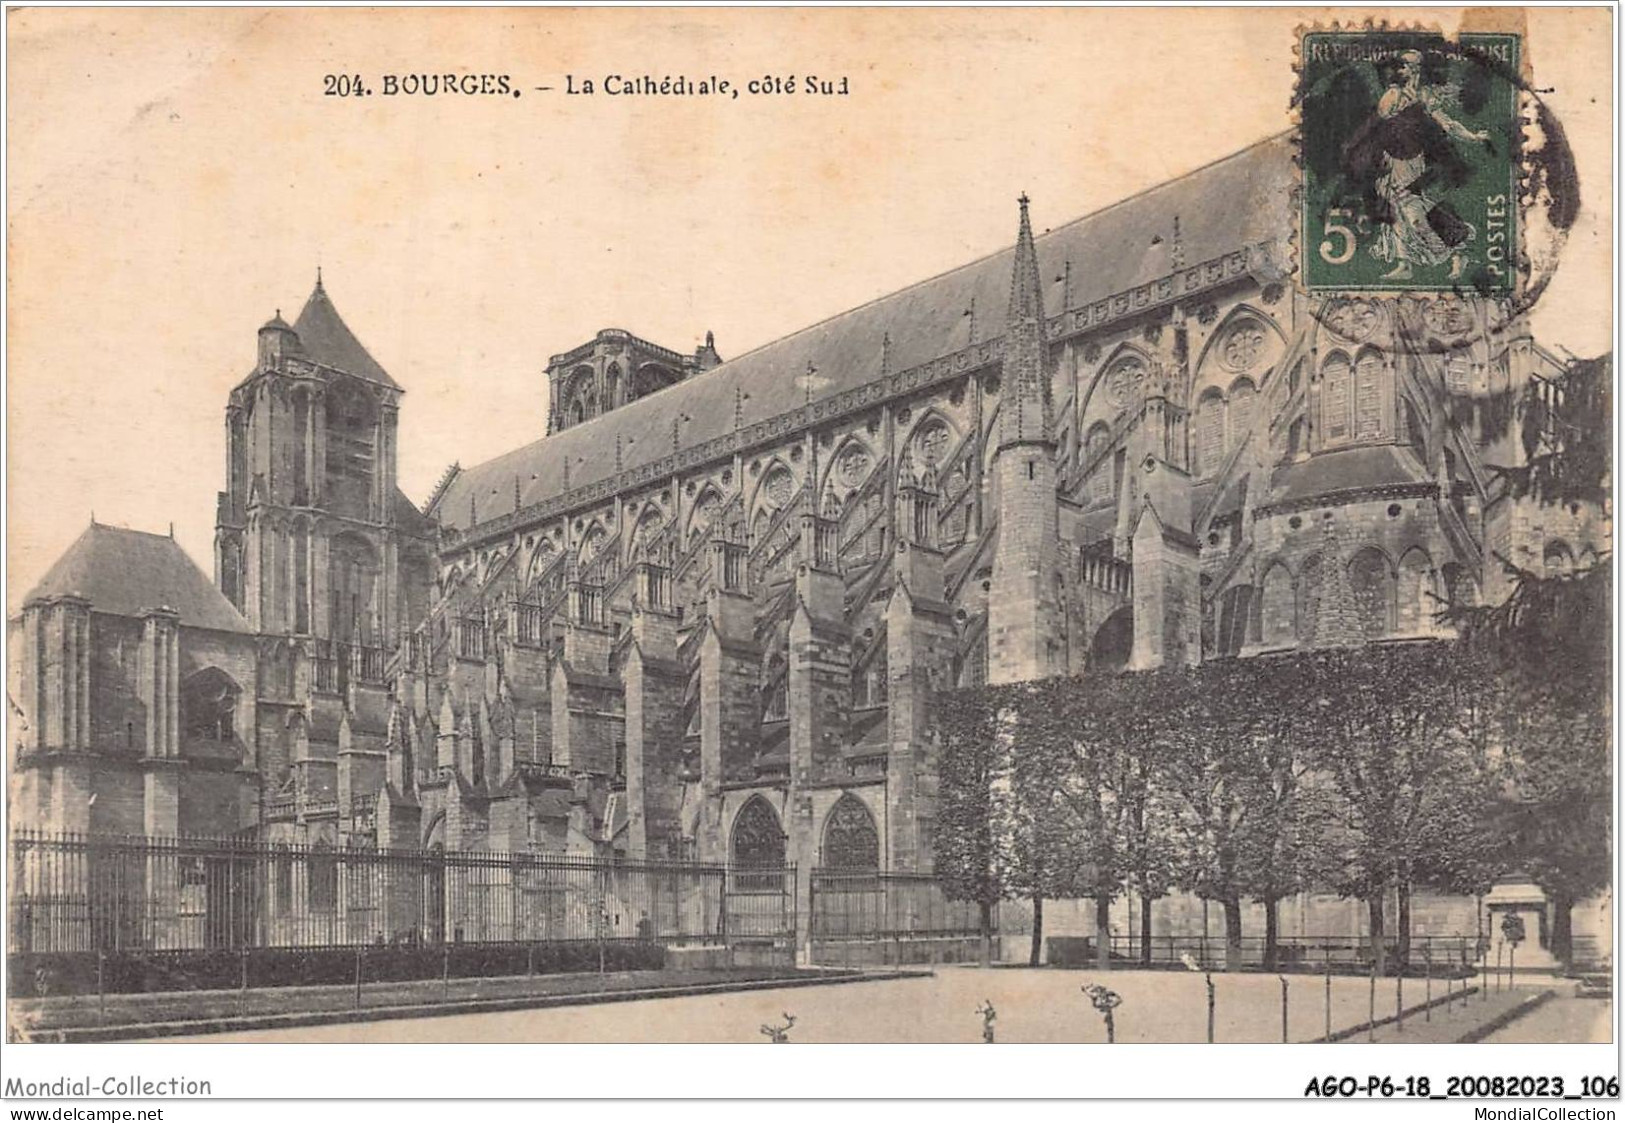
177,175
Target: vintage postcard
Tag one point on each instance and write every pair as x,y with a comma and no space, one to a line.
811,526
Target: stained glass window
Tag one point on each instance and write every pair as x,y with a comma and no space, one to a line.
758,840
850,839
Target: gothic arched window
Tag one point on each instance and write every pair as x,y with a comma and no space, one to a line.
1416,603
1370,581
301,579
1277,615
1242,392
1368,396
1209,433
1236,616
1334,399
352,449
757,841
1100,483
209,704
850,839
352,578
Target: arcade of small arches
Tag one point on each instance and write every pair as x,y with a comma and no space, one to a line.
1388,600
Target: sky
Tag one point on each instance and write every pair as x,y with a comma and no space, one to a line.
176,176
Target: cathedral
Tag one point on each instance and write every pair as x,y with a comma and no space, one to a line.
702,616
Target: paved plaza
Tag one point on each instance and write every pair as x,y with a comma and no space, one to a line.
1034,1006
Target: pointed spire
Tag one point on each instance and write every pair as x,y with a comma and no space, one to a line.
1066,286
885,354
1178,252
318,276
971,312
739,408
1026,414
617,452
516,491
1026,288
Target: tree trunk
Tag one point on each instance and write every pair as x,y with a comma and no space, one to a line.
1562,931
1272,932
1036,956
1402,937
1373,906
1103,931
1232,934
987,934
1145,931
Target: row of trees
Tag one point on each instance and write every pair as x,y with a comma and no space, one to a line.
1358,770
1368,771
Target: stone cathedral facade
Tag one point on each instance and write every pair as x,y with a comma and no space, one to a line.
704,615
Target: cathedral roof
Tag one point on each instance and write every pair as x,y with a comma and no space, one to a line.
328,340
123,572
1352,469
1241,200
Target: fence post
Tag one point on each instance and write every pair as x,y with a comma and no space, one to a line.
445,971
1371,1018
358,952
101,985
1209,977
1427,995
1328,999
1284,1037
1399,999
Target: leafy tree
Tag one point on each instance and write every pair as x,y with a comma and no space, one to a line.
967,861
1386,726
1552,639
1283,849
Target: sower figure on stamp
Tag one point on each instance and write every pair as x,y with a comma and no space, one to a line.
1420,231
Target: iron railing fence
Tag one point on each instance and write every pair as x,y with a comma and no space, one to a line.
76,893
761,904
847,904
1304,953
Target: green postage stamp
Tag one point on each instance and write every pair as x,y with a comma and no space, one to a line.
1410,148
